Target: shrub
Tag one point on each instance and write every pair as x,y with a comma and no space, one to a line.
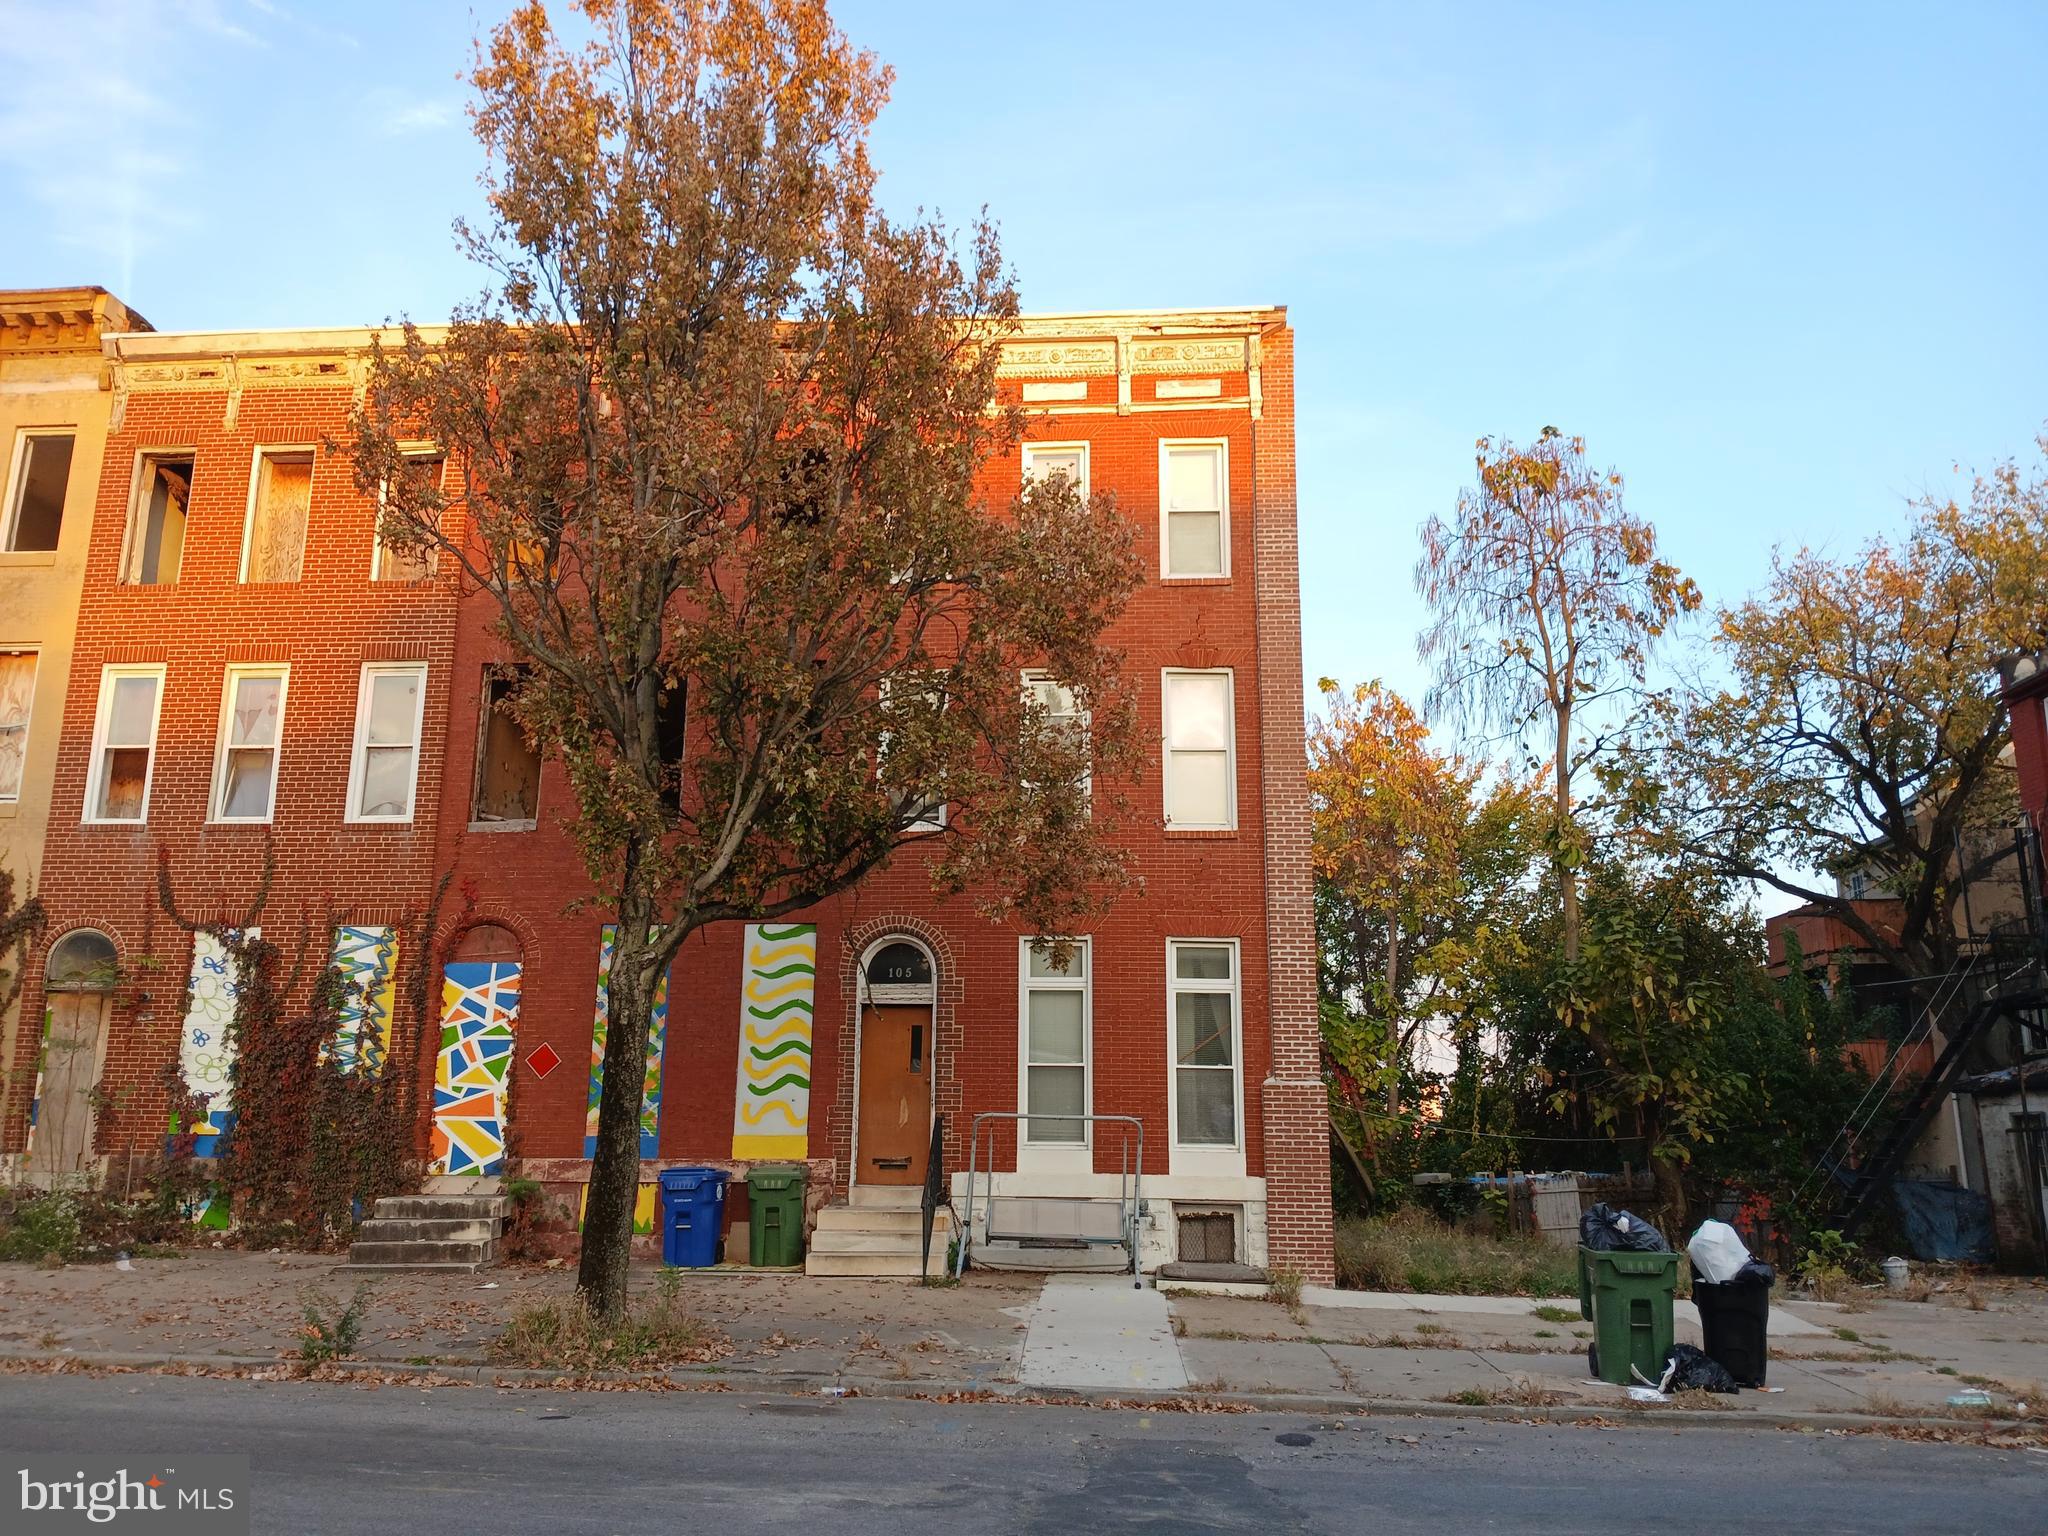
42,1224
1410,1251
321,1340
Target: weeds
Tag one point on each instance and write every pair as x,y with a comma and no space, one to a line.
564,1334
321,1340
1412,1251
1518,1394
1551,1314
1283,1286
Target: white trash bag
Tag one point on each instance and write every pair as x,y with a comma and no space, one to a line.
1717,1252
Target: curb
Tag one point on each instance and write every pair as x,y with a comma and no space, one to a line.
813,1383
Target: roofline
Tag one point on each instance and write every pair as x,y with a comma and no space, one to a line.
167,345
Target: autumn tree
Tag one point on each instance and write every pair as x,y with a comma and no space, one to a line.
1410,848
1547,597
713,438
1859,729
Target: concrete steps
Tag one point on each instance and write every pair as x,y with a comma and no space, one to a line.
875,1241
454,1224
1050,1260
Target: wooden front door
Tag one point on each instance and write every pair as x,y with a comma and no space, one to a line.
60,1147
895,1094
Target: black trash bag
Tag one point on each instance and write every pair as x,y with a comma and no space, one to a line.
1756,1272
1693,1370
1606,1230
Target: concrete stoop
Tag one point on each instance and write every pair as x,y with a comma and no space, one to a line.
454,1224
1051,1258
877,1236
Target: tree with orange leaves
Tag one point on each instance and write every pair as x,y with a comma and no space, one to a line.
1414,857
712,444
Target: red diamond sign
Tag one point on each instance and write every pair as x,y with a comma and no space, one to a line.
543,1060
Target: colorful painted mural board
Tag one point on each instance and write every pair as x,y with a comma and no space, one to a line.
778,988
643,1207
472,1070
206,1045
657,1032
367,959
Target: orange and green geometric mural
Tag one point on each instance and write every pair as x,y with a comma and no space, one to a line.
367,960
657,1031
472,1071
778,984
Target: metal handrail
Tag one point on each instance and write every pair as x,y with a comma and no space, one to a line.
1130,1180
936,1193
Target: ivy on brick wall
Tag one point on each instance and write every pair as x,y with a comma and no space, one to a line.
316,1142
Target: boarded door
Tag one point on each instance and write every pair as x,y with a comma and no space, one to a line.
60,1145
472,1072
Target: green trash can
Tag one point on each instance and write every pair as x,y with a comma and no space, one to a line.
1628,1297
775,1221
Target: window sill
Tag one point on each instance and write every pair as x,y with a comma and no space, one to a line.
1195,581
27,559
504,826
1198,833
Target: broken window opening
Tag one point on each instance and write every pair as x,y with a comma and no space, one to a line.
412,564
156,541
41,473
508,765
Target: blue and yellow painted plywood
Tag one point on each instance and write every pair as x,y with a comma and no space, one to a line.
206,1048
367,960
472,1071
778,989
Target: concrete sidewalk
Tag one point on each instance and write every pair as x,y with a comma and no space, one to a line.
1088,1334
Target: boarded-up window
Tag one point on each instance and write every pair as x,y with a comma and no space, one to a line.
156,526
424,469
41,471
17,691
508,766
277,519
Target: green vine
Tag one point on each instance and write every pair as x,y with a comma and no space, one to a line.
315,1144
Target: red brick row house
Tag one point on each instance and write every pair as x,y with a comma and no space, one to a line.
255,679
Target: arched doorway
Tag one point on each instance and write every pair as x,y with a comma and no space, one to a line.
473,1067
893,1126
78,981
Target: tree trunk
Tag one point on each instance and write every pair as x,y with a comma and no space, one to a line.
615,1170
1394,1010
1567,873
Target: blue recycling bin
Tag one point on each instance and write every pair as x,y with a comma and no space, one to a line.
692,1216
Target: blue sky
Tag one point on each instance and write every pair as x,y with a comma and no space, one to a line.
1782,266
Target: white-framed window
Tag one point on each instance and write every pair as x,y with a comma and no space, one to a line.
388,564
17,697
928,812
34,512
124,743
280,510
153,548
1060,712
384,767
1200,756
1054,1016
1194,508
1204,1039
246,751
1043,460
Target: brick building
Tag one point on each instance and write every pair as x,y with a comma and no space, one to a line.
310,693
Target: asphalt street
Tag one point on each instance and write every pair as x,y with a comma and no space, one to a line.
337,1458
